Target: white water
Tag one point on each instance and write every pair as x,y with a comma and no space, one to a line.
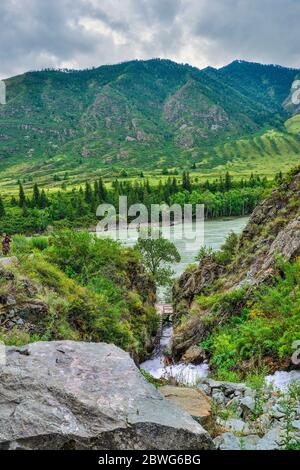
282,380
215,234
185,374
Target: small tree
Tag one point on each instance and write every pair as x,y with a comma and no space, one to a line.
158,254
22,197
36,196
2,208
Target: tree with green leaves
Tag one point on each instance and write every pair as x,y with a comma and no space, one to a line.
158,255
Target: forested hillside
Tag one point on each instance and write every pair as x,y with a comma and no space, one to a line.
147,114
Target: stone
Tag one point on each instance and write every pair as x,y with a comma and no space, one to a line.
247,404
237,426
8,261
276,412
296,424
233,388
271,440
249,442
75,395
205,388
227,441
249,392
218,397
194,355
193,401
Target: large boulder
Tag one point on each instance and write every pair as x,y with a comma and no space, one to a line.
75,395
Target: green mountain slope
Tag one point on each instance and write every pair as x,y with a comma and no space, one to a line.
145,114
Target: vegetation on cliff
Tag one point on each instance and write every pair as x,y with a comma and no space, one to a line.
72,285
241,304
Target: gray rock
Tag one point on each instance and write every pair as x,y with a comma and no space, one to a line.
249,442
227,441
74,395
296,424
204,388
218,397
276,412
271,440
233,388
237,425
250,392
247,404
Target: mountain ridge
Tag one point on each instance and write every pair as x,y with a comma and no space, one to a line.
146,114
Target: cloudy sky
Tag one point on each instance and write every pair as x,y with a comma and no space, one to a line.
84,33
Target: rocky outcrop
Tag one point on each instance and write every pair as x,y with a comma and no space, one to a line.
74,395
192,283
247,419
273,231
20,306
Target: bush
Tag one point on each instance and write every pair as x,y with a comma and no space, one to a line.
267,326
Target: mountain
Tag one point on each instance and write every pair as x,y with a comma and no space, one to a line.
146,114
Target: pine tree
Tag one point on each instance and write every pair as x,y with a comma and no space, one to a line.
2,208
228,182
102,190
43,201
88,194
186,182
36,196
22,197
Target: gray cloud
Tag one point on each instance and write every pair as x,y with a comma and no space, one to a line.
85,33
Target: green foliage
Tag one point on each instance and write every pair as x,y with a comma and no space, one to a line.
158,254
226,253
2,208
77,207
156,382
268,325
88,288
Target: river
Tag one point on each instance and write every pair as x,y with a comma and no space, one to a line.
215,233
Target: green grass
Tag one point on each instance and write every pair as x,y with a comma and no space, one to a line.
293,124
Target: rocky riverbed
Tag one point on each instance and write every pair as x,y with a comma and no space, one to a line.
244,418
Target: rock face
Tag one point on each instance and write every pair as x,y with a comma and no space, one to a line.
273,230
264,419
73,395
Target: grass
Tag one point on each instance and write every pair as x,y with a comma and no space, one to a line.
293,124
264,153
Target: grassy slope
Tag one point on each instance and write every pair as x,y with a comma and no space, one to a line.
80,122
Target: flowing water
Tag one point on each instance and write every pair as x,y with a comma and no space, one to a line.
215,233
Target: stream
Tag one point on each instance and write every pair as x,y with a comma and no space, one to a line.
215,233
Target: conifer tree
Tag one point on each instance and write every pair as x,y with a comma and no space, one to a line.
2,208
22,197
36,196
